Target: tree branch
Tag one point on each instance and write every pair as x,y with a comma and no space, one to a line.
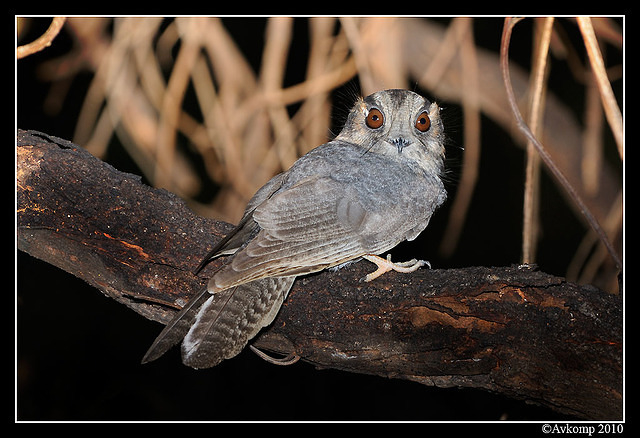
512,330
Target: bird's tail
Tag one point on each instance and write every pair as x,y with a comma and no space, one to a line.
214,327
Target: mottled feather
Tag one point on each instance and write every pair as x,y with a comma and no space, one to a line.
363,193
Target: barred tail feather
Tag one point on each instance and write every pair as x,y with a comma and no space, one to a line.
229,319
214,327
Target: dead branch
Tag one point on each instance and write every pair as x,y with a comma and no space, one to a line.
512,330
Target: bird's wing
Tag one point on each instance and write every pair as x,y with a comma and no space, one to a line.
317,223
247,227
177,327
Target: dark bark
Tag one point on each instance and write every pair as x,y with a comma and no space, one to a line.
511,330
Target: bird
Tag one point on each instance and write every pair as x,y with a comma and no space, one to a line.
375,185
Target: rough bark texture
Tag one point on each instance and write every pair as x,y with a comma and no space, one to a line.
512,330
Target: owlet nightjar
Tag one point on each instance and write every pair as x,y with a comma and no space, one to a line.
375,185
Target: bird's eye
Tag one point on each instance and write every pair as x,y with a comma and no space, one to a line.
375,119
423,122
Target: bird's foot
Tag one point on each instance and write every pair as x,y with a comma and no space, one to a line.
386,265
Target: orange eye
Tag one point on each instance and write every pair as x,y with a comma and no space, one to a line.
375,119
423,122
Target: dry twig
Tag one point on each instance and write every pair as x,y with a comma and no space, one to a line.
43,41
557,173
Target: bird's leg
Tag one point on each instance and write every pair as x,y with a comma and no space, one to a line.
387,265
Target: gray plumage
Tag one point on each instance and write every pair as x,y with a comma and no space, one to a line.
375,185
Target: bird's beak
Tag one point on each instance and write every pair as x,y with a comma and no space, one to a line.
400,143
